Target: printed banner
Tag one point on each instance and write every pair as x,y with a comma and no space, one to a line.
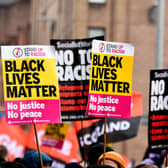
55,135
14,138
110,80
73,68
30,85
158,108
69,151
117,129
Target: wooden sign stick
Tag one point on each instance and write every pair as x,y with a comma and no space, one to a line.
105,122
38,147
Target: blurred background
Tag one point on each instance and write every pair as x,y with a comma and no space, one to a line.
25,22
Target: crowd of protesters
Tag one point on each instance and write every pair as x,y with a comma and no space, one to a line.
97,158
31,159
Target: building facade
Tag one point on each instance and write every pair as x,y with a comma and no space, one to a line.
131,21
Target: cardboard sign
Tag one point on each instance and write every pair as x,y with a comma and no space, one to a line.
158,110
117,129
14,138
73,69
30,85
110,80
55,135
69,151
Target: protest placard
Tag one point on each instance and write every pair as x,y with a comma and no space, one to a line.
110,80
117,129
73,68
158,108
69,151
55,135
30,85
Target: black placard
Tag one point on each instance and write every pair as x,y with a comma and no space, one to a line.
158,110
73,69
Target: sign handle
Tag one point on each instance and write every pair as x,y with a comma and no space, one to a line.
38,147
105,122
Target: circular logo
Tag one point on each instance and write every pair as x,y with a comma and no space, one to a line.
102,47
17,52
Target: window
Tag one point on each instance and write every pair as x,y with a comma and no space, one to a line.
97,1
93,32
